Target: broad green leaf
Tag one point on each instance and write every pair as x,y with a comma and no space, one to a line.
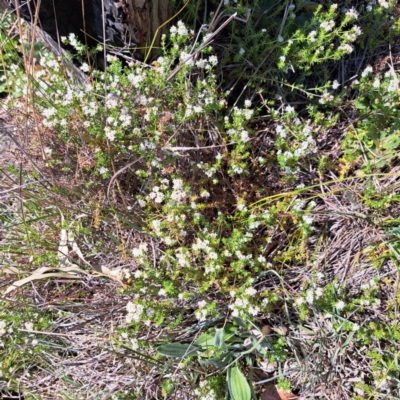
218,362
177,350
238,386
373,133
219,337
239,322
205,340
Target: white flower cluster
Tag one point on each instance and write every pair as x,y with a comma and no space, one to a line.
346,48
312,36
178,193
191,110
135,312
326,96
209,63
179,30
201,312
125,118
136,79
146,145
352,13
183,257
393,82
305,147
328,25
307,220
369,285
156,194
110,133
211,257
2,327
368,70
280,130
73,41
353,34
90,109
140,251
340,305
242,305
205,392
246,113
50,62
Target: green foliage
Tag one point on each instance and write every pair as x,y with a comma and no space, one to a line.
161,169
375,136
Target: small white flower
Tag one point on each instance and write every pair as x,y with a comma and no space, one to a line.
244,136
254,310
346,48
111,59
289,109
84,67
250,291
367,71
182,30
307,219
340,305
110,134
299,301
328,25
352,13
2,328
28,326
335,84
312,35
384,3
247,103
310,296
357,30
202,304
241,205
134,344
281,131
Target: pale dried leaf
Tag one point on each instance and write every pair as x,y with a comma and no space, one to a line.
34,277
